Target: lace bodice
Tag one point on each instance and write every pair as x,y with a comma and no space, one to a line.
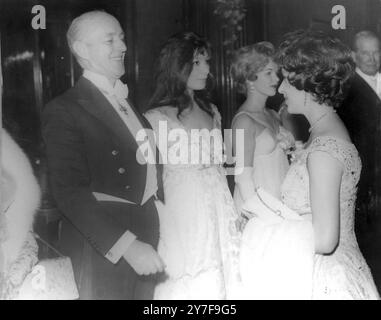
186,148
344,274
295,188
198,236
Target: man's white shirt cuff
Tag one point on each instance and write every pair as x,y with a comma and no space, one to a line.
120,247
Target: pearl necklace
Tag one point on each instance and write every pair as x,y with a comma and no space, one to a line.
321,117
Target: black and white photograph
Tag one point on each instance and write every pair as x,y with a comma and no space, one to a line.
215,151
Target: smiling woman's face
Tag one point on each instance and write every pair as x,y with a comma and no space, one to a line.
294,98
267,79
199,73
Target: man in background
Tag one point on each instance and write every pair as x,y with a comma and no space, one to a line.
361,112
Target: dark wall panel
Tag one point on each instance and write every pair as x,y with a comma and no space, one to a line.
155,22
289,15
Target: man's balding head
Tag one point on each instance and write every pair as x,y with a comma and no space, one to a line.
81,26
366,52
97,41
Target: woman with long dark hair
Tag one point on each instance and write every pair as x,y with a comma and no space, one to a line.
198,236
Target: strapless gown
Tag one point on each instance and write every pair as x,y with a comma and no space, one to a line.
198,234
270,163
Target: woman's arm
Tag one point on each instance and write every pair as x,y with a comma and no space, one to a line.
244,154
325,174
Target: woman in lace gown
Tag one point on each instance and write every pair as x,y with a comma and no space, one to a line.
198,237
20,198
318,253
263,161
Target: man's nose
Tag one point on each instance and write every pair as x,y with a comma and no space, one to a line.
122,45
369,58
375,57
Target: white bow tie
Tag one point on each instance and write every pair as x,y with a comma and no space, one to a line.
120,92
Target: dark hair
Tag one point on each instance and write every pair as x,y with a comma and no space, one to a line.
174,66
318,64
248,61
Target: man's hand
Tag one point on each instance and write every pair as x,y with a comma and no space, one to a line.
143,258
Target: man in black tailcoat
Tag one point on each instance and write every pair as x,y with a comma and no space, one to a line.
108,198
361,112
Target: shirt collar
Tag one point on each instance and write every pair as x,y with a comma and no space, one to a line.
103,84
366,76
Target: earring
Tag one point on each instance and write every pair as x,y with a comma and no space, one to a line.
250,86
305,98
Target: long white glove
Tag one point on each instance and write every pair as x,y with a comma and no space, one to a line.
268,208
244,181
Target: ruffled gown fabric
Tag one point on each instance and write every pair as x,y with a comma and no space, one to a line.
261,251
19,269
198,236
276,260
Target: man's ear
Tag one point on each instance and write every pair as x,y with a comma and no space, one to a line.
81,49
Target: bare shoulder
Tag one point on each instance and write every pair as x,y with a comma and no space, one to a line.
164,111
169,111
321,163
244,121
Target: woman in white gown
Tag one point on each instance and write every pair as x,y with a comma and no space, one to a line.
264,159
20,200
313,254
198,235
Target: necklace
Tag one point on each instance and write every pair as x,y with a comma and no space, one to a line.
321,117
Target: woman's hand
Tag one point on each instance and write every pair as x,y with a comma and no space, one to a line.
255,207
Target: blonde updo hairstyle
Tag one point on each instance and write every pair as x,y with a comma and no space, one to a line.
248,61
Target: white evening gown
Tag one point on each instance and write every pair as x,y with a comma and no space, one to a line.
286,266
270,162
345,273
199,241
270,166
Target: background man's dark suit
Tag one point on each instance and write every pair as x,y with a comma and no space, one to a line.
360,113
89,149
